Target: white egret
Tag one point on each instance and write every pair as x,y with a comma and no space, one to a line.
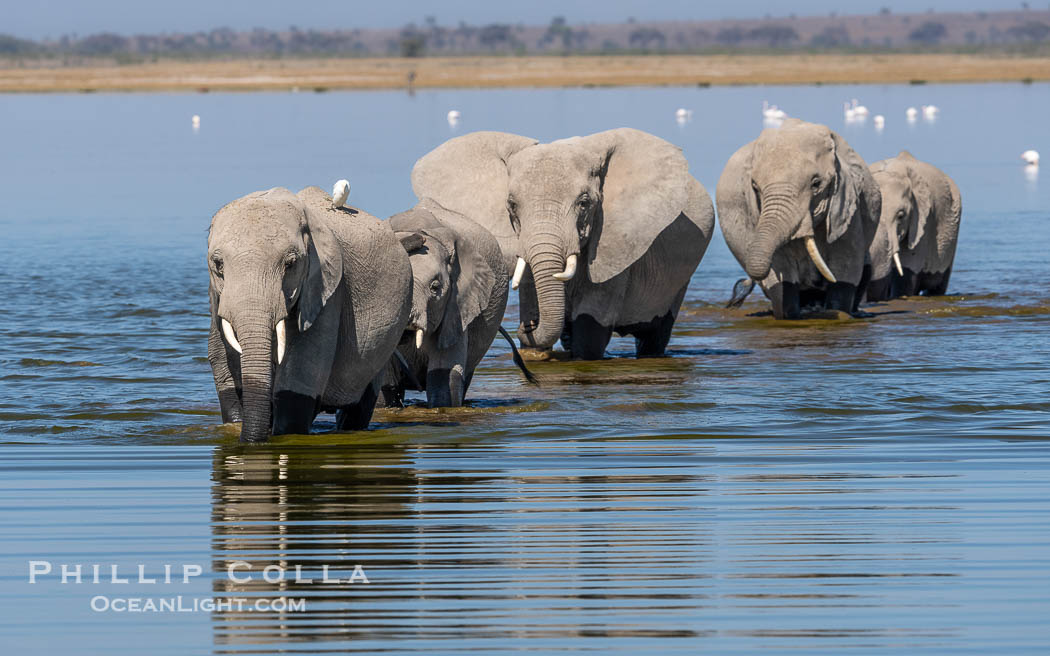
340,192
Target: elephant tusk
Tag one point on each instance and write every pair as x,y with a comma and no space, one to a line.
814,254
570,269
519,271
281,341
419,338
231,339
897,263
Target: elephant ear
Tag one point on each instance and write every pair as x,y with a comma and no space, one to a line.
846,192
645,187
412,241
472,279
920,213
324,253
468,175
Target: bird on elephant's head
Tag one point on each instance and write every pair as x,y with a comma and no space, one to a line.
574,215
799,194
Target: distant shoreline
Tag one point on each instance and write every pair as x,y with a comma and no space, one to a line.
521,72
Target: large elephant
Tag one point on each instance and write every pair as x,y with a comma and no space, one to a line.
307,303
798,209
602,232
914,247
459,296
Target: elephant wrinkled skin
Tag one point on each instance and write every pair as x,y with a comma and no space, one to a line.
459,296
918,230
307,305
798,209
603,232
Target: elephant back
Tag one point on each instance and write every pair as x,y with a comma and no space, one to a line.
378,282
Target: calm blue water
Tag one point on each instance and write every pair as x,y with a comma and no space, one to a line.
870,486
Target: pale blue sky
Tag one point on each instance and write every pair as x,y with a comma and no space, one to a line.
52,18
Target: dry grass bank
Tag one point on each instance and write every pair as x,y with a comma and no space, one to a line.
484,72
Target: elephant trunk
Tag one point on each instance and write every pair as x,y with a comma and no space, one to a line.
774,230
255,333
544,254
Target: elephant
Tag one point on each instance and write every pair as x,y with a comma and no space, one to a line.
798,209
459,296
603,232
914,247
308,302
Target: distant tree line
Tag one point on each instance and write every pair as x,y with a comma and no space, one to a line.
883,31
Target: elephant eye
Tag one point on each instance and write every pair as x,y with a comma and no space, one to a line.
217,263
816,183
435,287
584,202
900,214
512,206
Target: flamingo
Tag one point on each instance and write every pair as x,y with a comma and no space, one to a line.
340,192
851,114
859,110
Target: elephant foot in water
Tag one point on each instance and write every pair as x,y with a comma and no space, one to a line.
837,301
585,339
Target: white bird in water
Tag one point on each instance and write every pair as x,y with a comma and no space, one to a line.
849,112
930,112
682,114
453,116
860,111
340,192
1031,157
911,113
880,122
196,121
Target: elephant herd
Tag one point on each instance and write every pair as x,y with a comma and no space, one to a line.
317,307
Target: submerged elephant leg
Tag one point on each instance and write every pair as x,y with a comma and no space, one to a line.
936,284
908,284
589,338
785,299
293,413
356,416
447,377
862,288
880,289
841,296
651,341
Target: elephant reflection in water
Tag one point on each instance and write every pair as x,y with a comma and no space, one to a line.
289,507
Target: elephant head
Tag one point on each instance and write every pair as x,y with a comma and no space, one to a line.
586,205
906,206
801,179
451,282
274,264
